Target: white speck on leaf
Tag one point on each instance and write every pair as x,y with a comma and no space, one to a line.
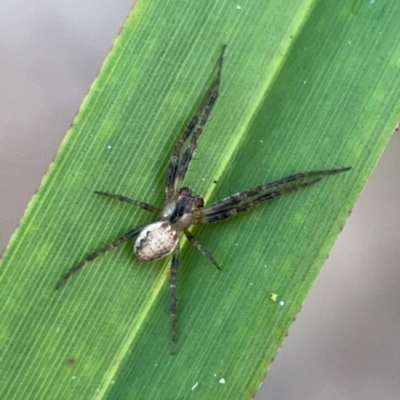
195,385
282,303
222,381
238,7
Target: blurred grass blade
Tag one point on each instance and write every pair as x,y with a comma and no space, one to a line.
305,86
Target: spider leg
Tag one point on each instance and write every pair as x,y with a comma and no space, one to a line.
199,247
174,270
231,211
230,202
91,257
188,153
145,206
170,184
173,164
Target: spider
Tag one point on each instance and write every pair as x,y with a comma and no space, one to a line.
182,208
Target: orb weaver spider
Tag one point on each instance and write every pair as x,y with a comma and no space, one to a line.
182,208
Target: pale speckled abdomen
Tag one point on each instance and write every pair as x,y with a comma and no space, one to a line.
156,240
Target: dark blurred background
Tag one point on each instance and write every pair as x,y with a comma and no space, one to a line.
345,343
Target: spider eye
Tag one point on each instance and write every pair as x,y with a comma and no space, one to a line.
198,201
185,191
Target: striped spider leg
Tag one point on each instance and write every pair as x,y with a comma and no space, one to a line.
182,208
243,201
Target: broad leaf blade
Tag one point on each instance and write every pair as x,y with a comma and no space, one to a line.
303,88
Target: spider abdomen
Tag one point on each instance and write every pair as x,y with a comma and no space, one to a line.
155,241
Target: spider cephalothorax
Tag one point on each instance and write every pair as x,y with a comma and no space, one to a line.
183,209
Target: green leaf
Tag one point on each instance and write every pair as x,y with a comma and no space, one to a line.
305,85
